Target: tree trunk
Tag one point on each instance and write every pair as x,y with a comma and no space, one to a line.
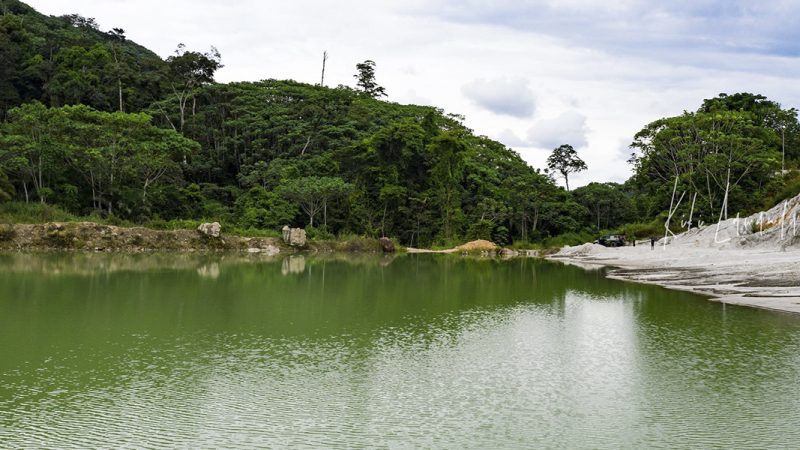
119,87
40,184
524,229
597,211
119,78
383,220
182,107
303,152
324,59
144,190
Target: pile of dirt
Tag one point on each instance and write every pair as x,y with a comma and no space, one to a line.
479,245
580,250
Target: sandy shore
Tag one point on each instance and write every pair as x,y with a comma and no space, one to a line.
759,278
751,261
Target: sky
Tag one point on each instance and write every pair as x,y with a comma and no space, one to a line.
532,74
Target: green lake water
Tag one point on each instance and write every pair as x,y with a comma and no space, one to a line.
405,352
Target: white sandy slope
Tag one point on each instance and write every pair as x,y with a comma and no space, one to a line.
734,261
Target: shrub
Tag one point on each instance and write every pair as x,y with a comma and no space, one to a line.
60,239
21,212
500,236
569,239
481,229
318,234
7,233
357,245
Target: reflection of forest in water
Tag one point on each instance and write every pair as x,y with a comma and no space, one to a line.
206,265
283,338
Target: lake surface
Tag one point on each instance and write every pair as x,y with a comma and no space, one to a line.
413,351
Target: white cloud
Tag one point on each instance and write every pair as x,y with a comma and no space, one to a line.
512,96
411,97
510,139
681,29
567,128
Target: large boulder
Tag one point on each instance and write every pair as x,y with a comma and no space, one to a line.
387,245
293,264
296,237
508,253
210,229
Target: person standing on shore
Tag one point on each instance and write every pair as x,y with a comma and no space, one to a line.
652,243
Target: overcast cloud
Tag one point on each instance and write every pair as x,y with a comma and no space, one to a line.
511,97
568,127
533,74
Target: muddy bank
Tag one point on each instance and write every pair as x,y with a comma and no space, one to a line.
93,237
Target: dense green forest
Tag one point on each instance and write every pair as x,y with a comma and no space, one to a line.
96,125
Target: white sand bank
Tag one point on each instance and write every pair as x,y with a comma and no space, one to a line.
736,262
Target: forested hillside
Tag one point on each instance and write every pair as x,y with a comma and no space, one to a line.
99,126
68,60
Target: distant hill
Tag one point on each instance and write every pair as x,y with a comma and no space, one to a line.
270,153
68,60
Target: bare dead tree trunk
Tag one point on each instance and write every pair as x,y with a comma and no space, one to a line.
182,107
324,59
166,116
119,87
119,76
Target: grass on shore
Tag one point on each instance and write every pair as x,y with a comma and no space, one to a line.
34,213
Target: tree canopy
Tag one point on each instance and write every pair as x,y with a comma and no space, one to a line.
96,124
365,79
564,160
724,155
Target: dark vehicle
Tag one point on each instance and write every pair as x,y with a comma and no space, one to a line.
612,240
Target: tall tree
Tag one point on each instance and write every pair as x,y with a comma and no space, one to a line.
447,173
79,77
608,205
313,194
724,156
29,148
365,79
188,71
117,36
565,160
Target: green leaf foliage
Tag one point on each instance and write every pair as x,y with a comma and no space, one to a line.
94,124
